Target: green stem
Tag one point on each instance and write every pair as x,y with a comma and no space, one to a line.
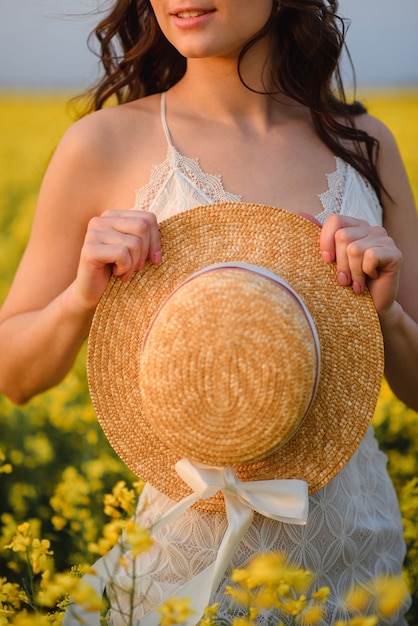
132,593
29,585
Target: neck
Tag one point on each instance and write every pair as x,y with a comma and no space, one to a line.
220,93
218,90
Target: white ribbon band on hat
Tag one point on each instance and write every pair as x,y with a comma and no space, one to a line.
283,500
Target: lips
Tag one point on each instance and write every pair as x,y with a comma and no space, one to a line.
191,18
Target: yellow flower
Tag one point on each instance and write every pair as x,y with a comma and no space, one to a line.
121,498
312,615
55,588
253,613
272,569
242,621
58,522
92,437
390,592
111,534
175,611
87,597
21,540
139,486
139,538
322,594
299,579
6,468
241,595
29,619
361,620
12,594
266,598
40,550
45,578
209,615
240,575
284,589
294,607
357,599
267,569
38,449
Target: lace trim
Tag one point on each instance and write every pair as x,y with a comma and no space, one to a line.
351,194
332,198
176,173
179,183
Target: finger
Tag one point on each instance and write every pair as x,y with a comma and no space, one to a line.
332,225
144,226
350,265
116,256
350,246
384,258
137,230
155,252
148,232
384,289
360,251
108,244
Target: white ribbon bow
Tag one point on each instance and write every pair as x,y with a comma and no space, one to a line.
282,500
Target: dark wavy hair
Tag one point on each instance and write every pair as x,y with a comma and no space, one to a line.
307,40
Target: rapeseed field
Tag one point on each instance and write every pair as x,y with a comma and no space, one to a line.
55,464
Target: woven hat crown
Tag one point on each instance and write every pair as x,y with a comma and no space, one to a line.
234,352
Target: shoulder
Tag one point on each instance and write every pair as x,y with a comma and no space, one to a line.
105,156
103,134
389,160
374,127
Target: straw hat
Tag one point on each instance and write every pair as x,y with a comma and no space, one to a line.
240,349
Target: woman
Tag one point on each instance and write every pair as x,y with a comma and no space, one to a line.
249,90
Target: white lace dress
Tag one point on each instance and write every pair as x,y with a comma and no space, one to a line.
354,529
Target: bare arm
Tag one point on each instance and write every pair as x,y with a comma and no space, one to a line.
400,324
73,249
386,259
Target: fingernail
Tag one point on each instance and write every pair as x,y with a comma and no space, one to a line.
157,256
326,256
357,288
343,279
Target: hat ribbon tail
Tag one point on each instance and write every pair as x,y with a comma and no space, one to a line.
282,500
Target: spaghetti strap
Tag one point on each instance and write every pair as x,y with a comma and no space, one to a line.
164,119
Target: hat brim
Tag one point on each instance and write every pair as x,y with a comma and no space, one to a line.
347,324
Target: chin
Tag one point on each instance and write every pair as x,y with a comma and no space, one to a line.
207,52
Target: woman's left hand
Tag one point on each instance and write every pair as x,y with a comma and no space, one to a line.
365,256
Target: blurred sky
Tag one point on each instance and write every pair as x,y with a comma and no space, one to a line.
43,42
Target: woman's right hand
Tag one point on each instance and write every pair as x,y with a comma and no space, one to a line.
118,243
77,242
